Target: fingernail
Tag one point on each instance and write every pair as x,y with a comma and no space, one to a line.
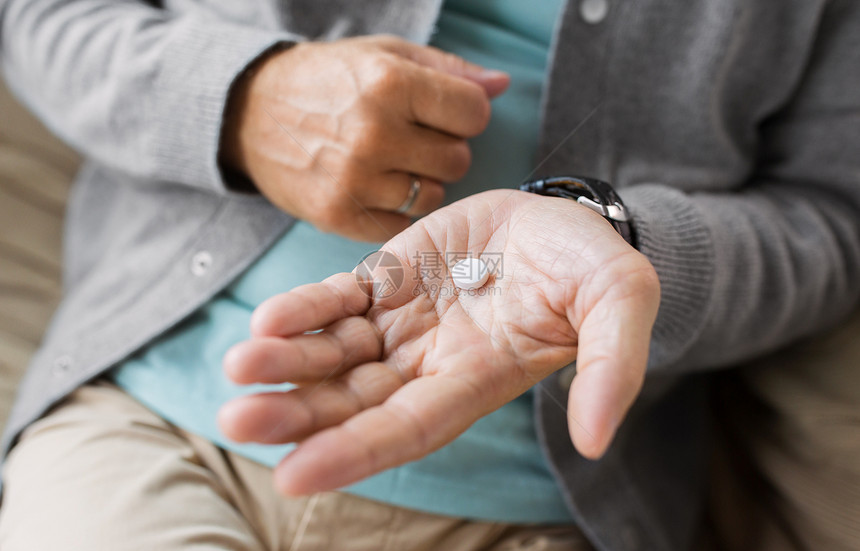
494,73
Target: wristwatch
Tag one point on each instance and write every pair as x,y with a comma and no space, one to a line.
594,194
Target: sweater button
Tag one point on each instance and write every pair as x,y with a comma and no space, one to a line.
200,263
594,11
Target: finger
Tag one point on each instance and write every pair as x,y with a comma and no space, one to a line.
422,416
432,154
612,357
304,359
376,225
448,103
310,307
492,81
282,417
364,223
395,192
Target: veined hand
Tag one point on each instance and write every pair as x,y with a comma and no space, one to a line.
392,378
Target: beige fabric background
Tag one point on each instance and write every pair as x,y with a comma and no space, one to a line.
36,170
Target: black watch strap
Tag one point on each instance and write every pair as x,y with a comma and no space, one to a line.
591,193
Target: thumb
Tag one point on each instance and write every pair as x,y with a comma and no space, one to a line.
494,82
612,356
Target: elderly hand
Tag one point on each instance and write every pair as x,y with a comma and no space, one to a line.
394,377
331,132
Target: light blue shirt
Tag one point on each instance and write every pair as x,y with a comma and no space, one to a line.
494,471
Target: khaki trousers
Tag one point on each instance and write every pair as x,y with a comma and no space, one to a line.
101,472
786,472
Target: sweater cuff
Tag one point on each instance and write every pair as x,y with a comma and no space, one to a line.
190,95
672,234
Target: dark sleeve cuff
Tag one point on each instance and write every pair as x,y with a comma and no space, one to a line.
672,234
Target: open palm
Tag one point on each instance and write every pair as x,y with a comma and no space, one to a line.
399,371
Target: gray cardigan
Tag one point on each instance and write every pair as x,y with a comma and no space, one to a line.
731,127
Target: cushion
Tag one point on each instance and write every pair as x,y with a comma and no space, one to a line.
36,171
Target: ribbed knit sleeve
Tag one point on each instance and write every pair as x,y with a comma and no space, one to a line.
129,85
670,231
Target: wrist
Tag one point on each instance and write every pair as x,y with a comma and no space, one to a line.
233,151
591,193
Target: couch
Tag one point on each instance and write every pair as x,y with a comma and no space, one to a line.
36,170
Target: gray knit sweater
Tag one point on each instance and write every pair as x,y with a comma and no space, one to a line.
731,127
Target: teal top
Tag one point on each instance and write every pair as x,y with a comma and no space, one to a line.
494,471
